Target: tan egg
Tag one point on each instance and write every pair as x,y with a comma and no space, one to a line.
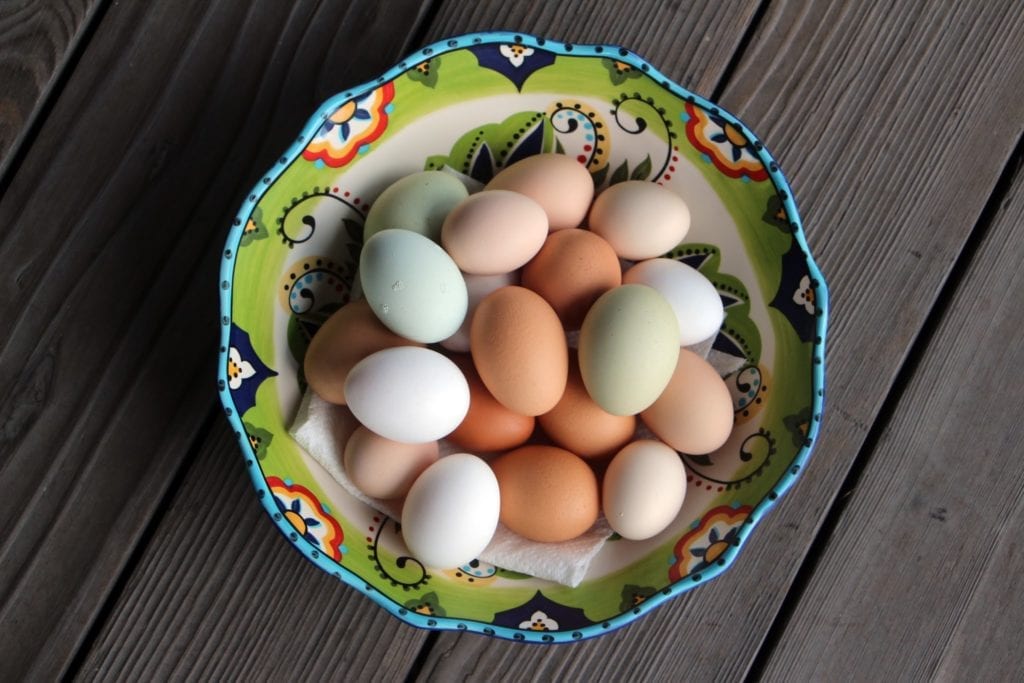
382,468
694,413
640,219
583,427
643,489
494,232
519,350
560,184
571,270
351,334
547,493
488,426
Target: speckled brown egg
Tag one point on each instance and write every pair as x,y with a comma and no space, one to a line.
488,426
547,493
572,269
351,334
519,350
583,427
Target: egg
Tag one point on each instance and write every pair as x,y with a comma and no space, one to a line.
640,219
408,393
694,299
581,426
451,512
412,285
478,287
494,232
418,202
643,489
382,468
519,350
628,347
560,184
570,271
352,333
547,493
694,414
488,426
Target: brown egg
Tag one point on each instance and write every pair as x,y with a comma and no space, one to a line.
519,350
694,413
572,269
583,427
488,426
559,183
547,493
351,334
382,468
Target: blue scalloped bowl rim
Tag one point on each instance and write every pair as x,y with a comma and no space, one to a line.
682,585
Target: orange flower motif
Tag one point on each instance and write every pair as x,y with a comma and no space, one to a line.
717,531
351,127
723,144
309,516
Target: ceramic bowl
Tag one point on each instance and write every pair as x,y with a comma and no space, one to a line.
475,104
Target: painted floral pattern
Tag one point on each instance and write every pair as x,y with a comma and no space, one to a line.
351,127
804,295
723,144
716,532
539,621
300,507
238,370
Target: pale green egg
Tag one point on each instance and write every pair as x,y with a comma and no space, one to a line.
628,348
412,285
418,202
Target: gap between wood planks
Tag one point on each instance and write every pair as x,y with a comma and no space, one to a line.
48,97
918,350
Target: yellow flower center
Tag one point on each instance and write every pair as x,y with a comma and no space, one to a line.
233,369
517,49
622,67
297,521
424,609
423,67
344,113
809,295
538,626
715,551
250,226
734,136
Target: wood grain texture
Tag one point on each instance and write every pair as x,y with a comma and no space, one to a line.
112,231
919,576
37,38
892,135
221,595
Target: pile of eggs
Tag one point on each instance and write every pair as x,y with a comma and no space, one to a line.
470,304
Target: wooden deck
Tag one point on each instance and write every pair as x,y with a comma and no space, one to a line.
131,131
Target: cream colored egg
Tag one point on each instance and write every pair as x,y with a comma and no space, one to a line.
639,219
643,489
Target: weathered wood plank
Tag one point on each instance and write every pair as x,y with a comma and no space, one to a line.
138,628
933,526
112,231
221,595
892,135
37,39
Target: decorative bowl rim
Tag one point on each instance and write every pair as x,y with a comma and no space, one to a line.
562,49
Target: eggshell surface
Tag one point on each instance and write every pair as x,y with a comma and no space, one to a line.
519,350
640,219
412,285
571,270
418,202
694,414
581,426
349,335
643,489
694,299
408,394
489,426
628,347
560,184
494,232
382,468
451,511
478,287
547,493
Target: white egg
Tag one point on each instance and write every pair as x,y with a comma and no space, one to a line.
643,489
408,393
478,286
451,511
694,299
